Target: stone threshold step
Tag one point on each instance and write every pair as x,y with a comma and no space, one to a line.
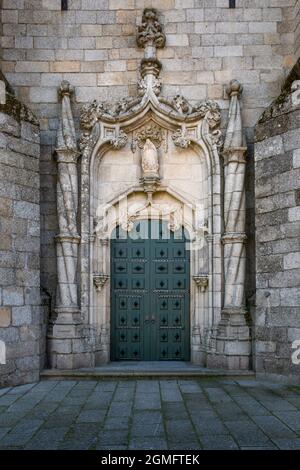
113,373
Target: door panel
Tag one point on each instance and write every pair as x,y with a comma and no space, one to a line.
150,294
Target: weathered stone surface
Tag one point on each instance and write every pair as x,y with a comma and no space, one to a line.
277,235
20,216
209,415
207,44
5,317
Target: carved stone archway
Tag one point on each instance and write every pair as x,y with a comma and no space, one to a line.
142,154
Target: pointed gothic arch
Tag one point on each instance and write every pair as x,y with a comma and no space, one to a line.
153,152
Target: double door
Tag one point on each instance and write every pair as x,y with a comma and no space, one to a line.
150,293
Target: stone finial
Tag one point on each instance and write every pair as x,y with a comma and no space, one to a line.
66,136
150,32
234,135
150,36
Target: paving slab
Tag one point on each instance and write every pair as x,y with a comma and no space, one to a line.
159,414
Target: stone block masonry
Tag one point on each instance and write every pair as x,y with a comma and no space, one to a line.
277,186
21,329
92,45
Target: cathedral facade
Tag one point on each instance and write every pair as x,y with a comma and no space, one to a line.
150,189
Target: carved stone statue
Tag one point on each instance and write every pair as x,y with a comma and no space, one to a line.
150,164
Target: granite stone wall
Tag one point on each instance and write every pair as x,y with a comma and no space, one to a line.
22,327
277,190
93,46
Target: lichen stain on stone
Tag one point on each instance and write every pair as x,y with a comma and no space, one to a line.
14,108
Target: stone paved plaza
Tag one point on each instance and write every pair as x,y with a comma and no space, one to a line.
150,414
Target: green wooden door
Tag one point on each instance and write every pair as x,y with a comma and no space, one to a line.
149,293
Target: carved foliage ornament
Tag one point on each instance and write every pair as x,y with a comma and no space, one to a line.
150,32
181,104
156,86
93,112
152,132
180,139
119,141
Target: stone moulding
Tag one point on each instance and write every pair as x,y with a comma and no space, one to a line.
234,238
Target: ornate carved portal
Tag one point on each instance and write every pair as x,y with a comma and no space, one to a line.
148,157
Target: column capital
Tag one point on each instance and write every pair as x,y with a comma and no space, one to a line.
234,155
64,155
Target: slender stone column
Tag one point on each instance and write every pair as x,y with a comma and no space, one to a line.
233,337
67,206
67,344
